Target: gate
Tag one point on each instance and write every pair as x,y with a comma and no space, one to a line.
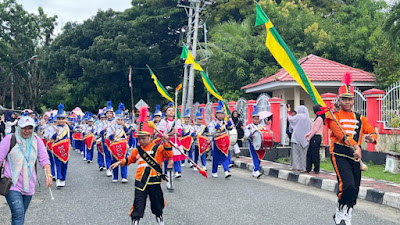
242,110
263,103
208,114
390,111
360,103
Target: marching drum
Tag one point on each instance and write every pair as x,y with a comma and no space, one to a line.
257,140
233,136
263,140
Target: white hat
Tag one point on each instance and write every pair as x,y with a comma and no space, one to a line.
25,121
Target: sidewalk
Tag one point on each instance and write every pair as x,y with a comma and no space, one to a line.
378,191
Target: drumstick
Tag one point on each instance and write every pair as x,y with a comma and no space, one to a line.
51,193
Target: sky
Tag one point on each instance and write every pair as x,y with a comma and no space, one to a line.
73,10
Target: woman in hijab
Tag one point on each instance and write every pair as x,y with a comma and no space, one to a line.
10,121
20,167
301,125
314,137
239,128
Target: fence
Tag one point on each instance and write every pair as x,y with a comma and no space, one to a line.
390,110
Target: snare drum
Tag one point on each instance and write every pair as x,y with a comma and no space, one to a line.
257,140
267,139
233,136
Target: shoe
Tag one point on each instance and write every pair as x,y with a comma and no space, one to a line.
178,175
227,174
215,175
219,166
81,153
109,173
84,159
89,161
115,181
58,183
160,220
343,215
257,174
62,183
190,165
135,222
195,169
204,168
169,177
101,168
183,164
237,156
230,165
124,180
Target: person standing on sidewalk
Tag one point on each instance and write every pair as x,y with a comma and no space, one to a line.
239,127
20,151
314,137
301,125
346,156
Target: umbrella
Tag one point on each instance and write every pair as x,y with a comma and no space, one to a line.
265,114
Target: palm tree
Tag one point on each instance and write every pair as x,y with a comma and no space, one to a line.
392,23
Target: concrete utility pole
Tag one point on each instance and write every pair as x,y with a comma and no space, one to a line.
186,70
197,6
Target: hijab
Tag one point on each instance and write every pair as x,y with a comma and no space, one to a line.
301,125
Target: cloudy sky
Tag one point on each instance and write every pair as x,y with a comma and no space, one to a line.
73,10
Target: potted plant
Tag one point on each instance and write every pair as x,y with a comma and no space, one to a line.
393,155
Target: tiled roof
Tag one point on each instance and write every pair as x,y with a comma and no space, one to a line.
318,69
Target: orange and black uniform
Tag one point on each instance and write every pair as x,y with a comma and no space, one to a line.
347,170
147,181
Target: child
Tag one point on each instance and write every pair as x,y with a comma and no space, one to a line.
148,178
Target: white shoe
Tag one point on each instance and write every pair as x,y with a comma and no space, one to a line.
84,159
124,180
215,175
219,166
227,174
81,153
257,174
195,169
230,165
204,168
109,173
190,165
183,164
178,175
160,220
63,183
341,216
58,183
115,181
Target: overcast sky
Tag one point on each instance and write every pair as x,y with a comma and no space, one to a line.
73,10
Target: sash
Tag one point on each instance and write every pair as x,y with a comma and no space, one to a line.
204,144
119,149
187,142
50,146
100,147
77,136
153,164
222,143
89,139
61,150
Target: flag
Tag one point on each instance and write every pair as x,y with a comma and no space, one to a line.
160,87
190,59
284,56
179,87
130,76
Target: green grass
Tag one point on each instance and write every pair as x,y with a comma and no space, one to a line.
374,171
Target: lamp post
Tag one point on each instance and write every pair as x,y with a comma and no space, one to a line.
12,78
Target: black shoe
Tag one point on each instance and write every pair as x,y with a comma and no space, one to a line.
88,161
101,168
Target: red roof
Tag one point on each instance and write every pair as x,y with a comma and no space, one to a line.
318,69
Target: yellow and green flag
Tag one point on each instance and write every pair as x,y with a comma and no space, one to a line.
206,81
284,56
160,87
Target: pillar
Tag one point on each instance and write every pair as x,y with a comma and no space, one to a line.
203,106
249,105
373,109
214,109
232,106
276,117
296,97
329,100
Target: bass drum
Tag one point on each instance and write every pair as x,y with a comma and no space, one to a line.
257,140
233,136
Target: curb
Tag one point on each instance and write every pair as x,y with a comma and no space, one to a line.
373,195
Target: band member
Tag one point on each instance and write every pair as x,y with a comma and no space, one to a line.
89,138
249,133
157,116
346,152
173,129
132,132
107,123
187,136
200,129
100,143
61,145
218,128
148,178
48,129
118,144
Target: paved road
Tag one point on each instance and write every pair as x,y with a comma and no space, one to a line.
91,198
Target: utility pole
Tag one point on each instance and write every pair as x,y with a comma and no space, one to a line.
186,69
198,6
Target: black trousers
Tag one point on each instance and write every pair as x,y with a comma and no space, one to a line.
348,174
313,153
156,200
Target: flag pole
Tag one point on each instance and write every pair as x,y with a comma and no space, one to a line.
131,86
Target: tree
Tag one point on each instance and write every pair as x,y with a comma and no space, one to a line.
392,24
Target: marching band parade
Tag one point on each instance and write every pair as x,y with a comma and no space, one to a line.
172,144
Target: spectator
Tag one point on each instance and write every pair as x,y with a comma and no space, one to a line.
2,128
10,122
301,125
289,129
239,128
20,167
314,137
